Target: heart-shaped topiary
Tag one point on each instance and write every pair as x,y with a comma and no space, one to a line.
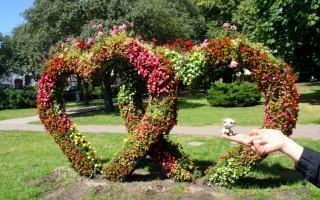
274,79
146,127
160,68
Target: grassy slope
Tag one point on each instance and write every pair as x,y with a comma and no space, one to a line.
26,156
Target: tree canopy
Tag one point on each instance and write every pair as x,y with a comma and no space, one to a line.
51,21
5,54
290,28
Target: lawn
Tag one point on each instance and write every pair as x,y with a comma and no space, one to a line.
194,110
26,112
27,157
9,114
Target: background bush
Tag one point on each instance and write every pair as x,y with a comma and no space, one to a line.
233,94
17,98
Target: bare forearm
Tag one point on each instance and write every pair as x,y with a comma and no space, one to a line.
292,149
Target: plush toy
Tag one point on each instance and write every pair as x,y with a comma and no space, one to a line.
228,123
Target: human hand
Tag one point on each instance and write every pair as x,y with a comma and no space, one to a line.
266,141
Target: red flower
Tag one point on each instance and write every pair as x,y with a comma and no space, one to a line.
187,44
80,43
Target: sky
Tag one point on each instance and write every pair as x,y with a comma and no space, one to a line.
10,14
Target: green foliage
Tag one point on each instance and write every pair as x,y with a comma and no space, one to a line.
227,171
289,28
233,94
49,22
6,52
188,66
17,98
216,13
159,19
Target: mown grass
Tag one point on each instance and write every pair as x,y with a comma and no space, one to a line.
194,110
26,112
28,156
16,113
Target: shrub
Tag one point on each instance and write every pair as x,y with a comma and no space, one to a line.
233,94
17,98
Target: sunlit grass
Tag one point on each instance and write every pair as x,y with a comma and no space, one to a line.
27,156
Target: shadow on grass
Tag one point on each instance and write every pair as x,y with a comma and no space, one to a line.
152,171
98,113
281,176
203,165
147,170
312,98
184,104
193,95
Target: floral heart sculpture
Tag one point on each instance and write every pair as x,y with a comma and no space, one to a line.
147,128
274,79
160,68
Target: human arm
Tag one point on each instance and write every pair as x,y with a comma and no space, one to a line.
265,141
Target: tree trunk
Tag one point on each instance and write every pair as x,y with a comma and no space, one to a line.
85,92
107,92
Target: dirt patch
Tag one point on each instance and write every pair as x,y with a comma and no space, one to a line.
60,176
66,184
158,189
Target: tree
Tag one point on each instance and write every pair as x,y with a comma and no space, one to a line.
160,19
6,52
51,21
47,22
216,13
290,28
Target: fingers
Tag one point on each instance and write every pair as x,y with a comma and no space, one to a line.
240,138
259,146
256,132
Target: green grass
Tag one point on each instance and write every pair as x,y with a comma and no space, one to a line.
26,112
16,113
100,117
28,156
194,110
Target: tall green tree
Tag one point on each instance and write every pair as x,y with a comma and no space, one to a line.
6,53
216,13
290,28
47,22
51,21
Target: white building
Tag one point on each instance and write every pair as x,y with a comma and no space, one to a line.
16,81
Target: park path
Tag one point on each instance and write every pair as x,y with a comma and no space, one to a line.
22,124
